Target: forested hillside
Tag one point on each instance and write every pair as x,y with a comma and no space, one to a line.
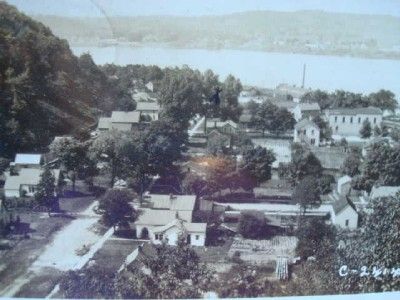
44,89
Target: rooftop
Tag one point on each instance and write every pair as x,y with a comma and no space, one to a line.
384,191
305,123
356,111
190,227
340,204
33,159
104,123
172,202
125,117
147,106
309,106
156,217
28,176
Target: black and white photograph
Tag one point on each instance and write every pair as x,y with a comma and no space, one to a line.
200,149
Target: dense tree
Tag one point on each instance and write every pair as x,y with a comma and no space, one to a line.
253,108
366,129
258,163
304,163
325,130
307,194
379,237
173,272
108,147
274,119
217,169
245,281
381,165
252,224
317,96
383,99
377,131
352,163
115,207
71,153
312,233
194,184
90,283
180,95
45,194
231,89
45,90
395,134
4,163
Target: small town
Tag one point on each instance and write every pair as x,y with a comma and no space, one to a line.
138,181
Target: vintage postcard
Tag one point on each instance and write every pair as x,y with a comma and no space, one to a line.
192,149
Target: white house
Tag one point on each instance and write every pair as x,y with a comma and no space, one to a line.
344,185
308,132
150,109
24,160
119,120
349,121
25,183
344,214
181,204
306,110
194,233
160,225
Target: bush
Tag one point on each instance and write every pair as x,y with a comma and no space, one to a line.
252,224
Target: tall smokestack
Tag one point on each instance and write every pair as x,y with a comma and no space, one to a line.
304,75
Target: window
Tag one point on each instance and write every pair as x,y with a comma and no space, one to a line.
367,119
374,120
344,119
359,120
337,128
197,236
298,132
347,223
161,237
351,119
31,189
312,141
336,119
304,132
156,236
312,131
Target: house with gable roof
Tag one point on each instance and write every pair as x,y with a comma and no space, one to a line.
306,111
161,225
306,131
25,182
344,213
119,120
150,109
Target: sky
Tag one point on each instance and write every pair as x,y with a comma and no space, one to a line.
98,8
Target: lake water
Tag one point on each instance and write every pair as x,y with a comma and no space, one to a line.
264,69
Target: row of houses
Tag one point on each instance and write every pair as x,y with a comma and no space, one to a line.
129,120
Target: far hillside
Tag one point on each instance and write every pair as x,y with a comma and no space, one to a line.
313,32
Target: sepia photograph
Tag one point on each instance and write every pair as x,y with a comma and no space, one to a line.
200,149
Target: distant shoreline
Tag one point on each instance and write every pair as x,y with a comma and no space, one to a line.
100,44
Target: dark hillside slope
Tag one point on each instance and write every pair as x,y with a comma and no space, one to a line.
44,89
